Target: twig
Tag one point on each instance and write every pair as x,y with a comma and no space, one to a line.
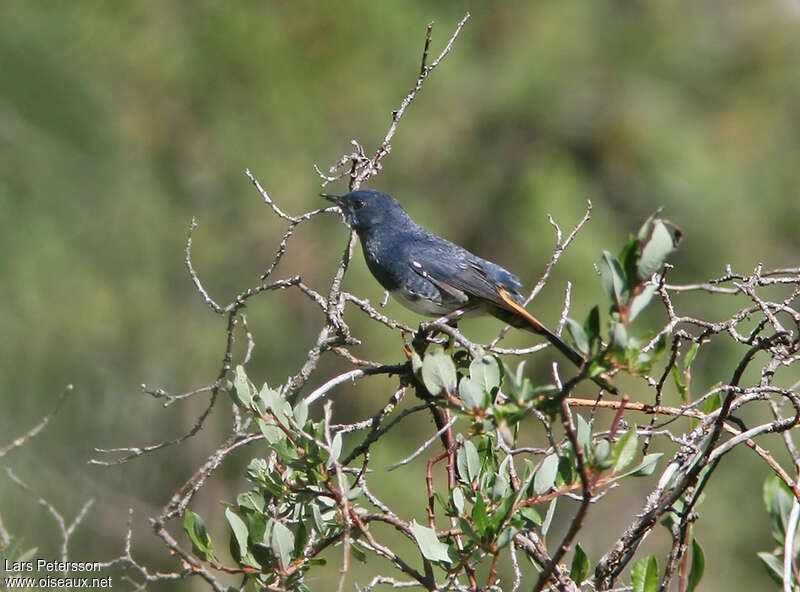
352,375
586,499
425,70
342,498
193,274
126,560
31,433
558,250
65,530
361,167
424,446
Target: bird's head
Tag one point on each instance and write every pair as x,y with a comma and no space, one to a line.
365,208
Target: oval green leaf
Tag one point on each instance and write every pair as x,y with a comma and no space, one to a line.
438,372
545,477
431,547
660,245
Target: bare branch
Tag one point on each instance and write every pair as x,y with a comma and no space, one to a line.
32,433
66,531
424,445
363,167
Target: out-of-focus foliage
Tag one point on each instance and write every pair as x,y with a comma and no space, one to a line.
120,121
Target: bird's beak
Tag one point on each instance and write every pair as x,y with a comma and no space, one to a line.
337,199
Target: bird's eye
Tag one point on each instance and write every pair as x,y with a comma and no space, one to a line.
358,204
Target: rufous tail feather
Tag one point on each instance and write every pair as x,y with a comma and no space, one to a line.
537,327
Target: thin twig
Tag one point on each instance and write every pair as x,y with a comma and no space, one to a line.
424,445
66,531
32,433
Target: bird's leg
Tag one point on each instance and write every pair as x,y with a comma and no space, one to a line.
450,318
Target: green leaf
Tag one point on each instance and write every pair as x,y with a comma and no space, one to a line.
272,433
466,528
567,468
311,561
430,546
251,500
274,400
619,336
548,517
778,501
416,363
640,301
690,355
644,575
27,555
592,324
584,433
713,402
526,475
529,513
479,515
336,445
647,466
485,371
242,395
612,276
628,259
301,413
438,372
660,245
316,515
358,553
515,377
336,449
239,529
774,566
282,543
195,528
625,449
579,336
774,488
545,477
505,537
647,227
472,394
677,378
303,531
602,452
501,512
501,480
458,499
580,565
257,470
468,461
698,566
527,392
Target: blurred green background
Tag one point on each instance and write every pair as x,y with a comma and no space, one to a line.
121,121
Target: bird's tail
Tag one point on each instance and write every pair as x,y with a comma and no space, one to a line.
517,316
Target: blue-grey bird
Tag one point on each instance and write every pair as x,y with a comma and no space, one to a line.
433,276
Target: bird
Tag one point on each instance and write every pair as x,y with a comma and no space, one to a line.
433,276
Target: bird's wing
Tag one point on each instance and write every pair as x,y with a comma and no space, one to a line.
457,271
